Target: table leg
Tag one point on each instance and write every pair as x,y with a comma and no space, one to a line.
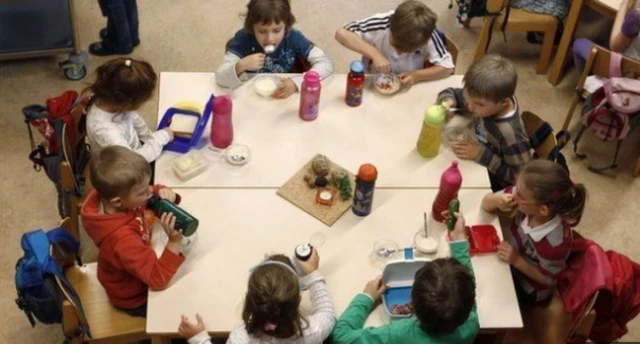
565,43
158,339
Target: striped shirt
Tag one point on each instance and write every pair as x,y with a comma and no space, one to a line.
505,146
546,246
375,31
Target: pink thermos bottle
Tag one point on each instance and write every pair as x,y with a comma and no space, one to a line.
449,187
310,96
221,123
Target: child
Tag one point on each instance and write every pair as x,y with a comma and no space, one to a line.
443,297
488,93
270,313
113,216
624,36
121,87
270,23
404,42
548,205
121,34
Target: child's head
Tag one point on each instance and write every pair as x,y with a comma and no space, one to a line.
411,26
269,20
272,300
544,189
121,177
443,295
124,83
489,85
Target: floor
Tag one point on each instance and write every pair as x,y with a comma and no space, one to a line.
189,35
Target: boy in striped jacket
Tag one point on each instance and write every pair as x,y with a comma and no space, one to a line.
403,41
489,94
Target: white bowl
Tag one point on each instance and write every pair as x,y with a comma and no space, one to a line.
266,85
387,84
426,244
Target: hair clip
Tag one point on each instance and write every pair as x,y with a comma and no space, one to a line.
127,62
270,327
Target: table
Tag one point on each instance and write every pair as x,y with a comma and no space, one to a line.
382,131
237,229
608,8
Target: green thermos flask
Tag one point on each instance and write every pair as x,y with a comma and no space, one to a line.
184,220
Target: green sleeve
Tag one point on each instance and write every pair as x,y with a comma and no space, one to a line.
471,327
348,329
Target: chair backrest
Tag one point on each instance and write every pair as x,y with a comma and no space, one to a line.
532,123
583,327
599,63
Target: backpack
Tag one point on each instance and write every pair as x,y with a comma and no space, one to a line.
468,9
57,124
609,111
40,282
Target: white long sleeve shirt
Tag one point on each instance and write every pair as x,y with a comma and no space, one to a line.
125,129
321,321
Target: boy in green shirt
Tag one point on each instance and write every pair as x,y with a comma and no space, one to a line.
443,298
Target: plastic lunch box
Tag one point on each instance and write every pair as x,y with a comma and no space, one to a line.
398,276
180,144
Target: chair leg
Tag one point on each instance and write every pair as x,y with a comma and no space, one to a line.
481,48
547,47
636,169
572,109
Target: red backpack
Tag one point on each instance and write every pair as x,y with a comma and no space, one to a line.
608,113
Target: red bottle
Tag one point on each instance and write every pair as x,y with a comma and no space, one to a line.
221,123
355,84
449,186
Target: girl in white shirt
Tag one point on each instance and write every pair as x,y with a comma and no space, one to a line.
271,314
122,86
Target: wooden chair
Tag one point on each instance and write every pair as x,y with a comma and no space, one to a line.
598,63
551,324
108,324
69,183
502,17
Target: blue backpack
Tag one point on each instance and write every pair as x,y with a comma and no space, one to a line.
40,282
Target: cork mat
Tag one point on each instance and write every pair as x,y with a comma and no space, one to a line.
296,191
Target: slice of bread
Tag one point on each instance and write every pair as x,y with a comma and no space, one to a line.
183,125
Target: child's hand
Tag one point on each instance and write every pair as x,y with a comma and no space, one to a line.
170,132
167,194
286,89
459,231
375,288
168,222
188,330
631,23
506,253
406,79
311,264
505,202
381,64
468,150
253,62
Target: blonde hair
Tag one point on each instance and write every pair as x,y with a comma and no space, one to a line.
493,77
116,169
411,26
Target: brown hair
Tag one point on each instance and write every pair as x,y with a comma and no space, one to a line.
273,295
123,82
116,169
443,294
493,77
411,26
551,186
268,11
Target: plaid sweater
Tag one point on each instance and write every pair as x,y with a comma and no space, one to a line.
505,146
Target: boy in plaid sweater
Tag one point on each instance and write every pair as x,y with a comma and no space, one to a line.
488,93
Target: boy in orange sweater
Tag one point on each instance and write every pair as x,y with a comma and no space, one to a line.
113,216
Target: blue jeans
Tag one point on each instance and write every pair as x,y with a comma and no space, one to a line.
122,23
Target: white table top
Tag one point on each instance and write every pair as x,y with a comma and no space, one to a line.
382,131
237,229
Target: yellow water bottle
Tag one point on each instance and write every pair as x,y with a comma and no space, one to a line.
430,135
